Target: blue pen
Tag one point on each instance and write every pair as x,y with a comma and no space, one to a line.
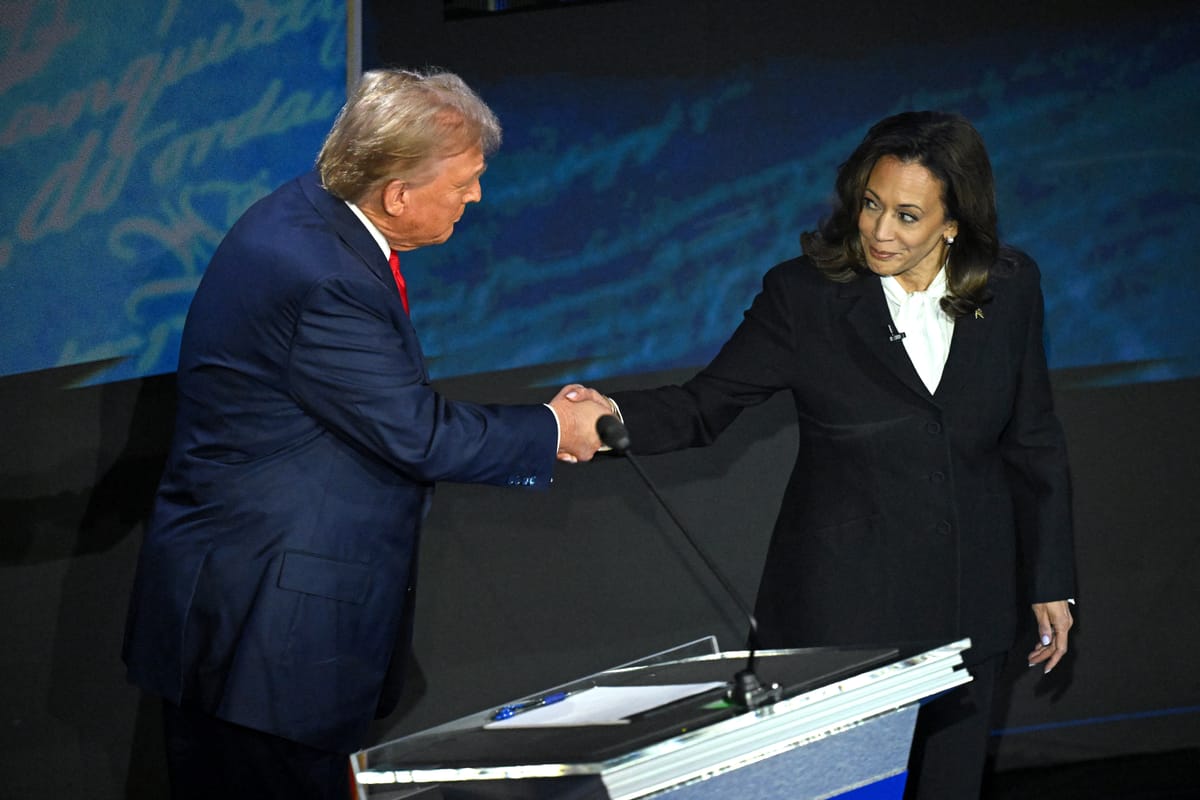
516,708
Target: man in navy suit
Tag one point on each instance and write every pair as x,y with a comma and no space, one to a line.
273,591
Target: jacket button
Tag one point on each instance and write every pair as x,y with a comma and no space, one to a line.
943,527
933,428
937,477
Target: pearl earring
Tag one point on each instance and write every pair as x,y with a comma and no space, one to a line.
949,240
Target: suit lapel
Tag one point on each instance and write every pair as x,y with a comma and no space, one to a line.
867,316
350,230
966,346
348,227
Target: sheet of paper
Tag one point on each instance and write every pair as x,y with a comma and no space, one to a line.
602,705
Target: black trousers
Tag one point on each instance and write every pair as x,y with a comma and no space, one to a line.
950,742
209,758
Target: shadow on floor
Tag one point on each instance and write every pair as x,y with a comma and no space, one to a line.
1162,776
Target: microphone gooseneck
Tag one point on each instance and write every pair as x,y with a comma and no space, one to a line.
746,690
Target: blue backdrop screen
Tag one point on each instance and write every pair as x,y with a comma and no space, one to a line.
628,218
627,221
131,136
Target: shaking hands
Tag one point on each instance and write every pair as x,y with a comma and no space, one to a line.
578,408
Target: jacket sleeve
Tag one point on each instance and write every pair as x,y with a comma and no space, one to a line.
747,371
361,373
1035,452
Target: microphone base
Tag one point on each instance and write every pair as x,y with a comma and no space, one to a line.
748,692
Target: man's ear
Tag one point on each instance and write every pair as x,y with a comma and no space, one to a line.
395,197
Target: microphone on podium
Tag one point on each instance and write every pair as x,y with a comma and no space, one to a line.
745,690
613,433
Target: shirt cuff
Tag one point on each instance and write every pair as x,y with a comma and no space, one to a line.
616,410
557,428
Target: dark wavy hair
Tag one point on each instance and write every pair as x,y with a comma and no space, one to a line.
950,148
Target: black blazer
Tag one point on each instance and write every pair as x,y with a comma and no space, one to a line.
899,522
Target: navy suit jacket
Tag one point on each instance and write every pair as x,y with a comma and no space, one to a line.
277,566
900,519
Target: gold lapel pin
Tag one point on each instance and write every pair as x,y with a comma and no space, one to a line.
979,313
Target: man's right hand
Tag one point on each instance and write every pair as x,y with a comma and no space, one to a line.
578,408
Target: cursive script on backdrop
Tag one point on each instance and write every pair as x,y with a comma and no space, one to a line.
115,154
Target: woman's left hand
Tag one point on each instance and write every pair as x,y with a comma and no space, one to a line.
1053,621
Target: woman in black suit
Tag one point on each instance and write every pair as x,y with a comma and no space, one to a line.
931,464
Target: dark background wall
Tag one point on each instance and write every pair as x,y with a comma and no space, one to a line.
523,590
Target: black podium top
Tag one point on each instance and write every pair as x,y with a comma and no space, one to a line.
467,743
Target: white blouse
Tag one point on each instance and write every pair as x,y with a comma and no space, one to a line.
926,329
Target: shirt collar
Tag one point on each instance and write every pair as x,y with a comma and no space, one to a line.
898,294
380,239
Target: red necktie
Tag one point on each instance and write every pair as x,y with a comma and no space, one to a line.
394,260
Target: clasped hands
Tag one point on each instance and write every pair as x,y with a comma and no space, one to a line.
578,408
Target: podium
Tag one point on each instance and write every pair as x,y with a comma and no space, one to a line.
842,728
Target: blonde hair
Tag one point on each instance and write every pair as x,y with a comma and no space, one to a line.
396,123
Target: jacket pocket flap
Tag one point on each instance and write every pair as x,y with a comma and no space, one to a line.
324,577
